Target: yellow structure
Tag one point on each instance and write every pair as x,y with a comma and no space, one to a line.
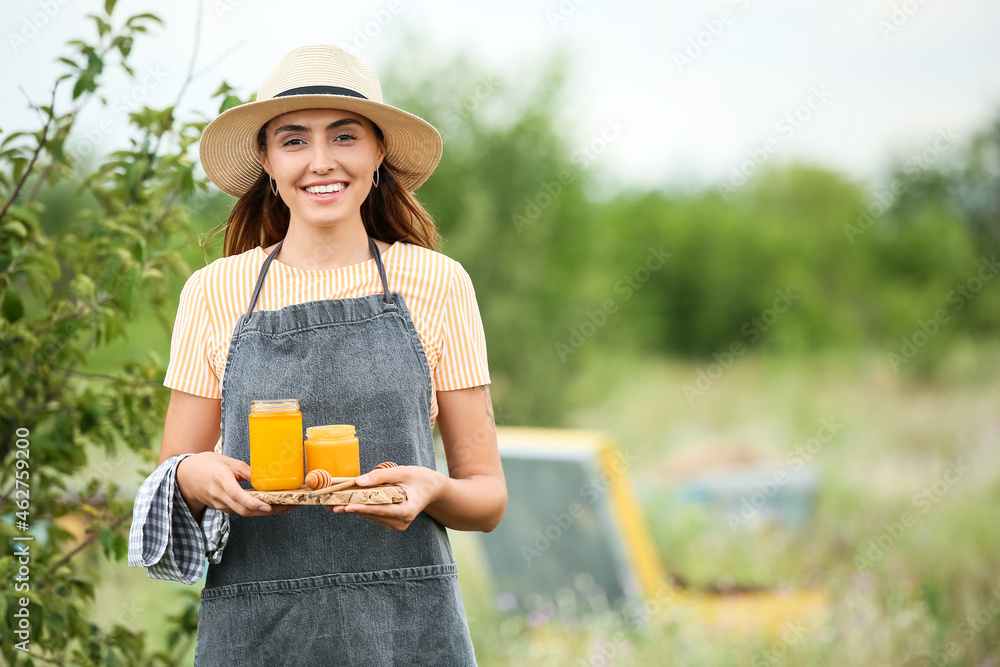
637,543
765,612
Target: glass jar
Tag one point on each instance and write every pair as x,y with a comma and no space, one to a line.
333,448
276,458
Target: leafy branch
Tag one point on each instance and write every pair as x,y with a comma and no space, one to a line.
69,285
34,155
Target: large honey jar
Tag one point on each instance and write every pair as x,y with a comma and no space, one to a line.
333,448
276,457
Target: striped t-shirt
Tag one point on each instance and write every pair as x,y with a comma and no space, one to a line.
438,293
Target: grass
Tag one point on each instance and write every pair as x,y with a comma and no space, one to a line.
914,594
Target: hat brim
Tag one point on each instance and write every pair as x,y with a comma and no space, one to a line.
229,153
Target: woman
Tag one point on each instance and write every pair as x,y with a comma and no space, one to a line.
330,291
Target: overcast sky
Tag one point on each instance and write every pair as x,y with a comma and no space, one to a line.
698,86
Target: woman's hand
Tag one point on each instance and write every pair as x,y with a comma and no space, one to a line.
208,479
473,496
422,485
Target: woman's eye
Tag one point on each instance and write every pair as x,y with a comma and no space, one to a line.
346,137
292,141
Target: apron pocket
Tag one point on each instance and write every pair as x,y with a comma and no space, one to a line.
404,616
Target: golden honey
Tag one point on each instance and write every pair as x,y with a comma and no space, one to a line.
276,456
333,448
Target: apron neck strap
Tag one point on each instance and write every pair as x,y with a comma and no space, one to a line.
377,256
260,283
372,247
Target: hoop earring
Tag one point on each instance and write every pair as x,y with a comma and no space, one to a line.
274,186
375,178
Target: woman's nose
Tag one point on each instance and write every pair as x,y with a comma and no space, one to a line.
322,159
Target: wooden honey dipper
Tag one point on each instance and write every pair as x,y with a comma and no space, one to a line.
317,479
342,485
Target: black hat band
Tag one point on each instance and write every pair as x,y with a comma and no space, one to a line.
321,90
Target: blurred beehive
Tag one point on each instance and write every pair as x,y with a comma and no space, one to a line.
574,541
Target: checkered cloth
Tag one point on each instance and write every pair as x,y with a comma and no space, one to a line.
165,538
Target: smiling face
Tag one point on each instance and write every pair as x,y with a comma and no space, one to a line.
322,161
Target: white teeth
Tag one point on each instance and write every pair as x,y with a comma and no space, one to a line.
325,189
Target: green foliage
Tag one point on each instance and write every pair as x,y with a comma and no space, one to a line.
67,290
566,280
733,260
491,197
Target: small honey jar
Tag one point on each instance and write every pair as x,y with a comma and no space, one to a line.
276,457
333,448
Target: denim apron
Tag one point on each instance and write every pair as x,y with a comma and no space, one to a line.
312,587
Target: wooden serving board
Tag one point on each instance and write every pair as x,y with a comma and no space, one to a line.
371,495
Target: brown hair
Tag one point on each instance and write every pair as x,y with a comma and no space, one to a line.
390,213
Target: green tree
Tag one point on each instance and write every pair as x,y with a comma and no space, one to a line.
509,202
66,291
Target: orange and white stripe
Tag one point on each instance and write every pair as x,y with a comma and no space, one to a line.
437,289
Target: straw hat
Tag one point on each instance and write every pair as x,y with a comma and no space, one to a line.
310,77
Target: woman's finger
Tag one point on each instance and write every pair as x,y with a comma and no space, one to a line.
397,516
394,475
242,470
238,495
238,499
